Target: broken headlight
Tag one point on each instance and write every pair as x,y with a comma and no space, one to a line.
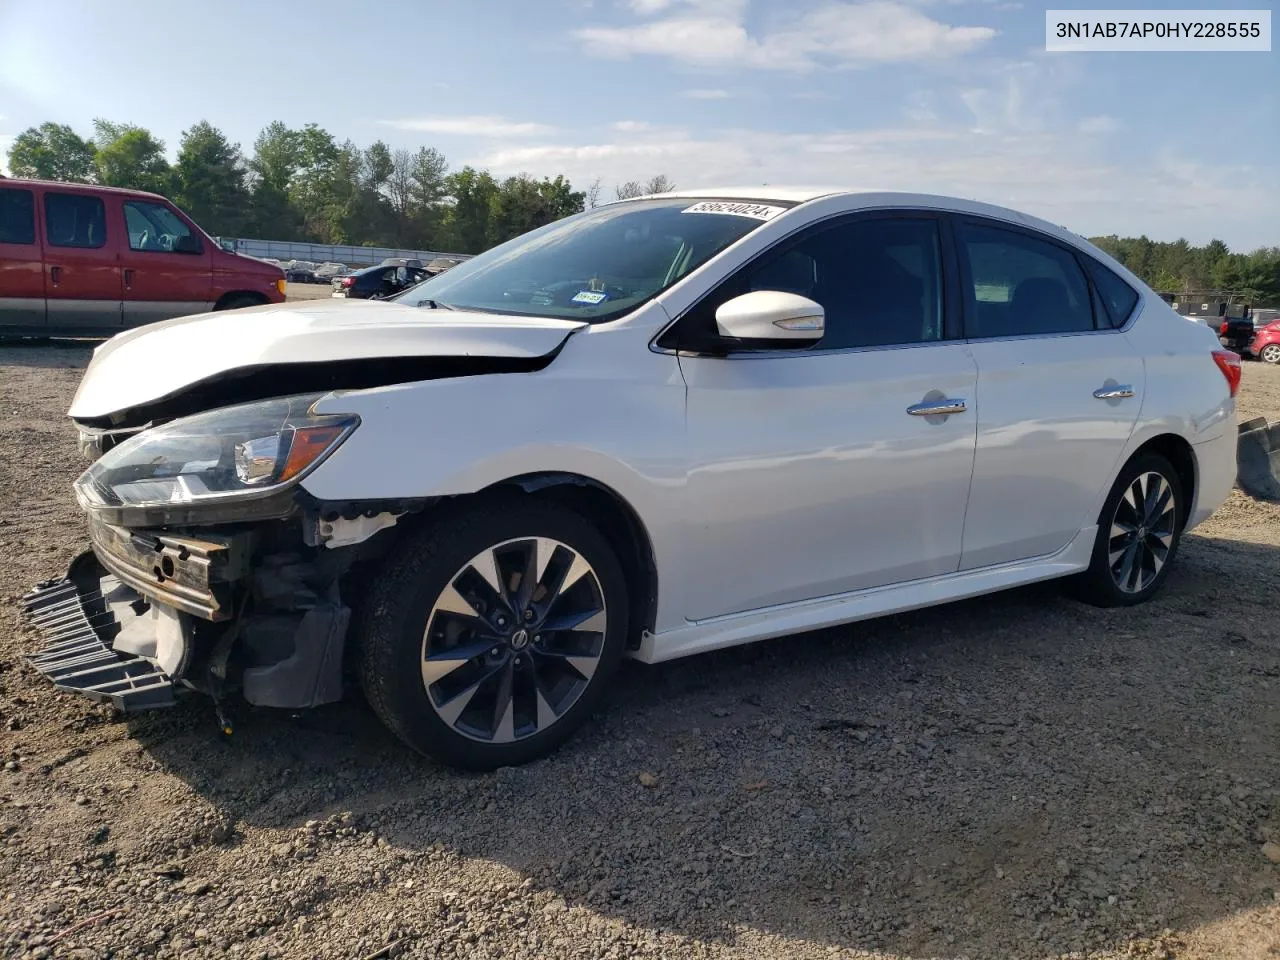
233,454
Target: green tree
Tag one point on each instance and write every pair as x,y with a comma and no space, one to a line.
209,181
52,151
467,222
129,156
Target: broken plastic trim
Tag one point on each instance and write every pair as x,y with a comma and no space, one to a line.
266,381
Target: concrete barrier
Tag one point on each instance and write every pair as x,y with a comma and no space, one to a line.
1258,459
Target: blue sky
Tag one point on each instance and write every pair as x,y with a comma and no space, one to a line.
946,96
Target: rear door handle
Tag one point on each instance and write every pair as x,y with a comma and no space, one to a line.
1120,391
937,408
55,275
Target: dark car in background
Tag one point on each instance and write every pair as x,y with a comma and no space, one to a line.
380,282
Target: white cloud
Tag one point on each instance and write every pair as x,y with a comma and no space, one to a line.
705,94
1099,124
630,126
1053,174
470,126
712,33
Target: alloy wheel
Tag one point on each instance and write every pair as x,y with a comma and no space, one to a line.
513,640
1270,353
1142,532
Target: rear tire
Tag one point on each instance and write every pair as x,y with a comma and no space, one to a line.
488,637
1139,530
1270,353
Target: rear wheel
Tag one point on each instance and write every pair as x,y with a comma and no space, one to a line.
1270,353
490,637
1138,534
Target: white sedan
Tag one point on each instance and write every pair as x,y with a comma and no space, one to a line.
662,426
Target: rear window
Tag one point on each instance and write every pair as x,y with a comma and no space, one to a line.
74,220
17,216
1117,296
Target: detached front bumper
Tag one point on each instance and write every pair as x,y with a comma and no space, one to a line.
146,614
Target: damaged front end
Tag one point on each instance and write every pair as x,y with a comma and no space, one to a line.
210,569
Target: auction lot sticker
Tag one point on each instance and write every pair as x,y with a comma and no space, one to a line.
1153,31
757,211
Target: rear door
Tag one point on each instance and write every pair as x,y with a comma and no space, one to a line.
166,266
1059,390
82,274
22,302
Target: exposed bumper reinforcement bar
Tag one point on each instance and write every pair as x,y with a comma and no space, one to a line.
79,624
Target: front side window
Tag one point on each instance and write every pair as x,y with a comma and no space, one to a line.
154,228
74,220
879,281
596,265
17,216
1020,286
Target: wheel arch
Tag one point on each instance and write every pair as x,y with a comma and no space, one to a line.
620,524
1179,452
232,295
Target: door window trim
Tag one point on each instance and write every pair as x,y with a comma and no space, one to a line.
1102,324
952,292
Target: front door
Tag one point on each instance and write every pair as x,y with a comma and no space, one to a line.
810,473
167,270
82,272
1059,389
21,263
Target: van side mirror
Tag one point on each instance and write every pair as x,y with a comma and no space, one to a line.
771,320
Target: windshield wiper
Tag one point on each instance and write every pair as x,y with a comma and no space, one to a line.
436,305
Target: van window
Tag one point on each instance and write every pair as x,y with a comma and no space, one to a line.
74,220
154,227
17,216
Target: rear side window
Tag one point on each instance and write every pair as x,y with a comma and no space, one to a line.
74,220
1117,296
1019,286
17,216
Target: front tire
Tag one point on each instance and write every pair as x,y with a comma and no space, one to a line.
490,636
1270,353
1139,530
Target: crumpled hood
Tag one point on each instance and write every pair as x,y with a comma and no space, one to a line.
139,367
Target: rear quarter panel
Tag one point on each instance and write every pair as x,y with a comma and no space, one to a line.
1186,395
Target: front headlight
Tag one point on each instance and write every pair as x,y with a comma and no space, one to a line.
236,453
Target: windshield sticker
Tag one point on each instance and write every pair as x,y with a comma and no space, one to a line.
590,296
756,211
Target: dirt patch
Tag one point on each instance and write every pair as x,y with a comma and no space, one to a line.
1016,776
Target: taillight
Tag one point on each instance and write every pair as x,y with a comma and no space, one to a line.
1222,330
348,281
1229,364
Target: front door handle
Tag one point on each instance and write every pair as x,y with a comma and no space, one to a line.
1120,391
128,279
55,275
937,408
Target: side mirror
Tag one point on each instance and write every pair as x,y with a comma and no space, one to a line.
772,320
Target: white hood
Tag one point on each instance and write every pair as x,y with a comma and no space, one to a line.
152,362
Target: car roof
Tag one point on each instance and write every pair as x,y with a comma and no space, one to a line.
78,187
799,195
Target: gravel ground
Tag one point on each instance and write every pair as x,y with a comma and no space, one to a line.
1016,776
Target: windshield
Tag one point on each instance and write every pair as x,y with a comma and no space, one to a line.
596,265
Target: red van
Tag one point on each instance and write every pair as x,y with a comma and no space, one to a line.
80,260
